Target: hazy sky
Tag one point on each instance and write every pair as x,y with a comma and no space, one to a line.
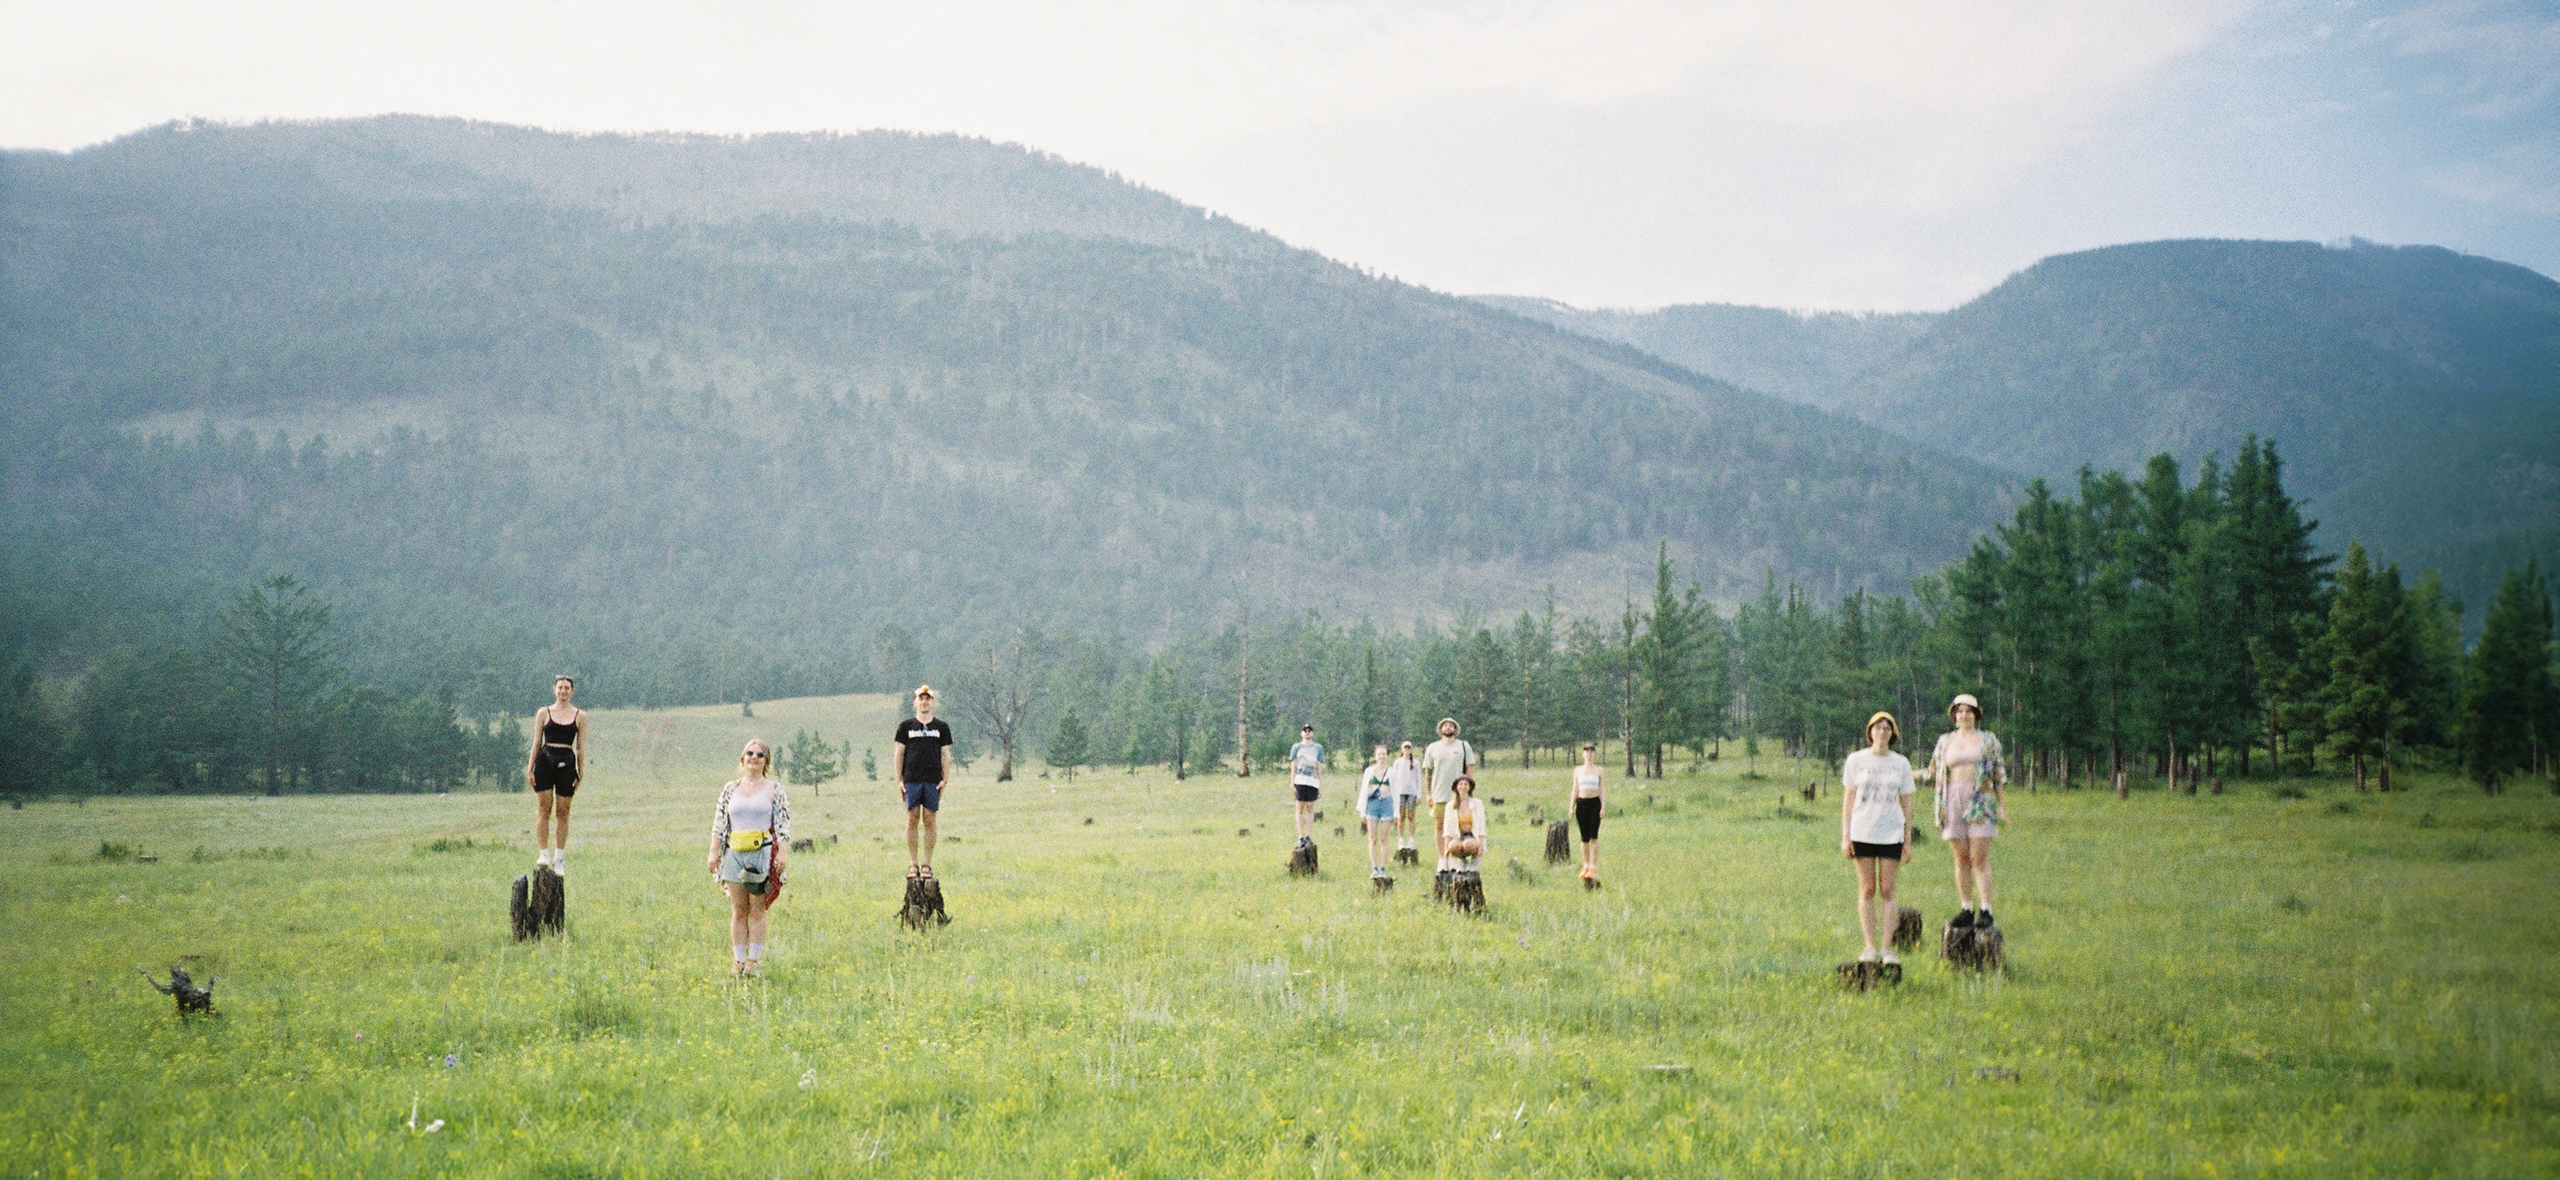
1892,154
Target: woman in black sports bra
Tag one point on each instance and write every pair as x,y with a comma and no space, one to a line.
559,758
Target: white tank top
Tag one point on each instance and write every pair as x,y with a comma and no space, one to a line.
1586,782
750,814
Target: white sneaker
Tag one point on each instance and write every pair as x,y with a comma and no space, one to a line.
542,858
560,864
1868,955
1891,958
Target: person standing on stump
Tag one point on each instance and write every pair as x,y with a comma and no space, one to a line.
558,760
1462,827
750,836
1875,829
921,748
1586,808
1443,764
1969,771
1378,809
1406,773
1306,761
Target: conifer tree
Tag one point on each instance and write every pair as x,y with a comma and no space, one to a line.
2364,650
2508,676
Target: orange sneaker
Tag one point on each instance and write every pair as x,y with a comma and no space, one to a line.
1588,872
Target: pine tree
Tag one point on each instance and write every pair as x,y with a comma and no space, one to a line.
2365,651
2509,673
1067,744
275,642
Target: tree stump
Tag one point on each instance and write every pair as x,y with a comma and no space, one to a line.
1559,843
923,905
520,911
1466,892
1382,884
1907,928
1972,948
538,904
1302,861
1591,882
1440,884
1809,790
1862,976
1408,856
181,987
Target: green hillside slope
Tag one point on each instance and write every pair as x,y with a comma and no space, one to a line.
2345,356
1809,357
2469,503
709,455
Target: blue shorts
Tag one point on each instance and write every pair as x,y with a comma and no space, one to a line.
924,795
1378,808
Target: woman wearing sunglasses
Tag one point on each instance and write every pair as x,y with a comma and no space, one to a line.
750,829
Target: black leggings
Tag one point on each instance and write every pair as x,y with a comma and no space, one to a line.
1586,815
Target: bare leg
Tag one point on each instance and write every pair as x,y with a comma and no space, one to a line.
741,921
759,915
560,824
1377,844
1591,855
1867,872
1964,872
915,820
542,803
1306,820
931,833
1978,851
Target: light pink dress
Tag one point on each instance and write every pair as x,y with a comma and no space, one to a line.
1955,792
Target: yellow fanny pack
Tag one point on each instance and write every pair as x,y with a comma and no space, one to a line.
748,840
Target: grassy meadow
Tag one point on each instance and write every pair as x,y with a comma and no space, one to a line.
2205,986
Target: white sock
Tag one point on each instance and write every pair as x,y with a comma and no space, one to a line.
737,952
755,951
559,857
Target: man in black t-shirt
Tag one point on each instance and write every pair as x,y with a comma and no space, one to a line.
922,754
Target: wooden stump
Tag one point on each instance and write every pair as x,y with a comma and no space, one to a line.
1466,892
192,999
1858,977
519,912
1382,884
1440,884
549,902
1559,843
1591,882
1972,948
923,905
1302,861
538,904
1907,928
1408,856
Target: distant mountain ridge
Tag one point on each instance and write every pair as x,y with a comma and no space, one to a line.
937,183
1810,357
738,433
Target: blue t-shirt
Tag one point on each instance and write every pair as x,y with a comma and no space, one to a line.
1305,759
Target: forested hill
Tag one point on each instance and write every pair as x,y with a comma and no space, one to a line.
1811,357
700,439
2345,356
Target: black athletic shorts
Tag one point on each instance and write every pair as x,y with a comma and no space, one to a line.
555,769
1306,792
1865,851
1586,816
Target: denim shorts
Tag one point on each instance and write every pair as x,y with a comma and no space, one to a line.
924,795
1380,807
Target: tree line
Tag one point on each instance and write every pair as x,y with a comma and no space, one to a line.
258,701
2140,629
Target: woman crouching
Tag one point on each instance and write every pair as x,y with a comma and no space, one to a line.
750,828
1875,828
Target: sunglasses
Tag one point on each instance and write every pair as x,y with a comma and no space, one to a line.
758,754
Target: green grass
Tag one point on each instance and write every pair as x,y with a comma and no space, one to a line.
2242,985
